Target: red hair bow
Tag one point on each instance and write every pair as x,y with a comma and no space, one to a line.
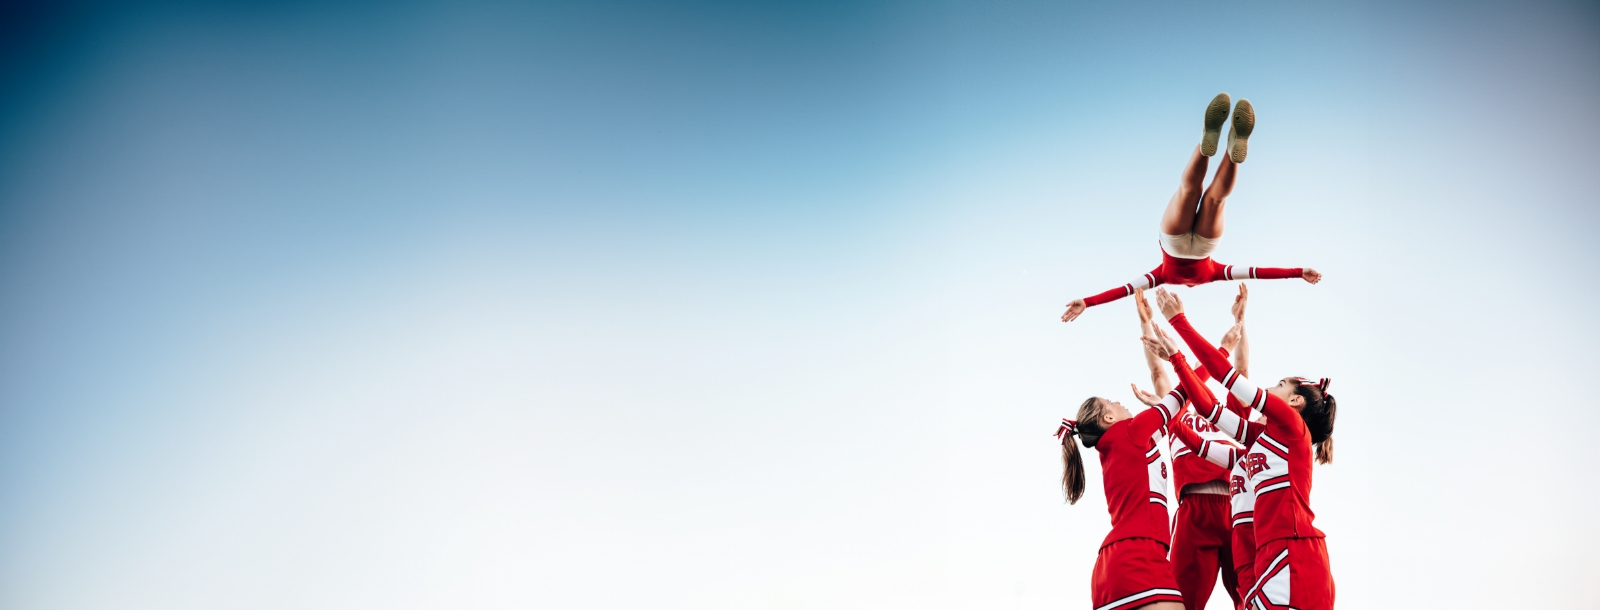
1321,383
1068,428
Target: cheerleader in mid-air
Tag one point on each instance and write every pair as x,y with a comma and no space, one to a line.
1291,560
1191,226
1131,569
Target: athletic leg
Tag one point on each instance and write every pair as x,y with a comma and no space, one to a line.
1179,217
1208,221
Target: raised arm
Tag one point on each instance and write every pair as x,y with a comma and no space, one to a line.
1217,364
1075,308
1207,405
1241,350
1219,453
1148,421
1147,328
1230,272
1215,361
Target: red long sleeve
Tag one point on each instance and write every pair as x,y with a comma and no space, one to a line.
1205,403
1230,272
1199,394
1212,358
1200,371
1186,434
1148,421
1107,296
1221,454
1148,280
1239,408
1277,273
1257,398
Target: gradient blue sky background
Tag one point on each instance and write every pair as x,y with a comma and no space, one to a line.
484,305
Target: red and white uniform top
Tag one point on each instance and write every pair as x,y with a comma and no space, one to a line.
1226,448
1134,475
1187,467
1277,465
1191,272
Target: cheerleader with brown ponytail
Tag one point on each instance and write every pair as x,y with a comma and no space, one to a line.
1131,570
1292,567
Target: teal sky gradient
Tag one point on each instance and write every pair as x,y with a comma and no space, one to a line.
428,305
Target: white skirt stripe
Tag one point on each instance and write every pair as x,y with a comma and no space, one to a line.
1283,556
1126,601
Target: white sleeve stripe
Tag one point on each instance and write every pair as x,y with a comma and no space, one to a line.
1228,422
1176,399
1242,388
1143,283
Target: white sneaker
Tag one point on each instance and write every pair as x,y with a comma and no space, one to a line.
1216,115
1244,122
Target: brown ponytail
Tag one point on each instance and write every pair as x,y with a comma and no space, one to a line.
1071,470
1088,432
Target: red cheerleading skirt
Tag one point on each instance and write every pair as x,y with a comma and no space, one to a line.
1130,573
1244,556
1292,573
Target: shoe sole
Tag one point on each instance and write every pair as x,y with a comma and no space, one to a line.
1216,116
1244,122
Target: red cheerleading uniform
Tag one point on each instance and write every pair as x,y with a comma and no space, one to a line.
1191,272
1202,542
1131,569
1226,453
1291,557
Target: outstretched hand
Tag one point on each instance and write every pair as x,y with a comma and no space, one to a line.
1161,345
1169,303
1143,305
1149,400
1074,309
1239,302
1311,275
1230,340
